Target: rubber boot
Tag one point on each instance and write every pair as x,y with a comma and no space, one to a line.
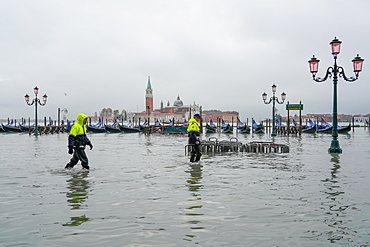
192,158
68,166
198,157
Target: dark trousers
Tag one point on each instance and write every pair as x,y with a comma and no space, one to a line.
195,153
78,154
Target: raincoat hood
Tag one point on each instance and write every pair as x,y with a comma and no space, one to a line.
80,119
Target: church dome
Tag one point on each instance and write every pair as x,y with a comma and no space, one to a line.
178,102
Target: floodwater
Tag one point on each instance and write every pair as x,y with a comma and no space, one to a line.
142,191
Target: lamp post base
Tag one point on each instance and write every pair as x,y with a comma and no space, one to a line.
36,131
334,148
273,134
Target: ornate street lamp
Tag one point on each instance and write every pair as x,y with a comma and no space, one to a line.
36,101
273,99
335,71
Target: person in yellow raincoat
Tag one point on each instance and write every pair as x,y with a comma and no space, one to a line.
193,134
77,141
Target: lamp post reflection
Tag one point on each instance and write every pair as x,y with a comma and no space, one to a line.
77,195
194,185
335,215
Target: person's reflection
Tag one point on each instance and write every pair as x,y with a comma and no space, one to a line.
78,193
335,206
194,184
148,144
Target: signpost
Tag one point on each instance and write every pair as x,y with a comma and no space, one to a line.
298,107
294,107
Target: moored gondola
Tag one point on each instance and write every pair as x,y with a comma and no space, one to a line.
258,128
112,129
127,129
340,129
9,128
344,130
245,130
309,129
211,128
94,129
228,129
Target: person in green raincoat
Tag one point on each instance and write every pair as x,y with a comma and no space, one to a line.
77,141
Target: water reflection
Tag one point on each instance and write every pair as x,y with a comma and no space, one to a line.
335,215
194,184
78,193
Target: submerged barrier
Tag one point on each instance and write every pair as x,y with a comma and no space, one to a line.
233,145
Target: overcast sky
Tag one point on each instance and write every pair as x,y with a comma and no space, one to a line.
222,54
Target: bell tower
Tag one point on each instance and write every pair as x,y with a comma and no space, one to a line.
149,98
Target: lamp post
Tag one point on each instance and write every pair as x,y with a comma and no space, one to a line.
36,101
335,71
64,111
273,99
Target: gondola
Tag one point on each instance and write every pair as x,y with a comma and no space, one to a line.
258,128
340,129
126,129
328,129
309,129
245,129
228,129
344,129
112,129
176,129
9,128
224,124
27,128
94,129
211,128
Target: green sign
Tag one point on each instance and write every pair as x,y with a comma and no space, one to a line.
294,107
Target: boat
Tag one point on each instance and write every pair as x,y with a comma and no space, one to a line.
240,125
95,129
328,129
112,129
228,129
224,124
310,128
176,129
344,129
211,127
340,129
258,128
127,129
245,129
26,128
10,128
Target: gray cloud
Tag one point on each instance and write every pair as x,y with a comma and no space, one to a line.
220,54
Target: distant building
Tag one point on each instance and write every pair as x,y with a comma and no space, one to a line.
217,115
322,118
149,98
177,112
